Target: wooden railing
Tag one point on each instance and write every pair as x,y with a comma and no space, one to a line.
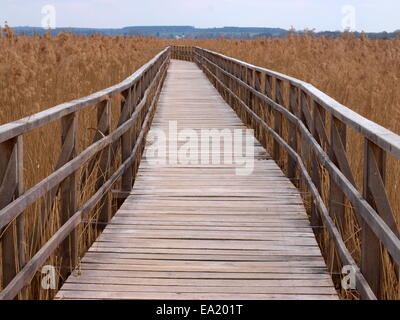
291,118
182,53
140,94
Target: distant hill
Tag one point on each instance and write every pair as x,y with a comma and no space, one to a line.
189,32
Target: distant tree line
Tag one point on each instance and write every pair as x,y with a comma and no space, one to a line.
188,32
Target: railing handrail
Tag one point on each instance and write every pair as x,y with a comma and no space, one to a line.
381,136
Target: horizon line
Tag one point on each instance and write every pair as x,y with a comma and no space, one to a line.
191,26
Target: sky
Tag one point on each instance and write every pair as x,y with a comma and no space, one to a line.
360,15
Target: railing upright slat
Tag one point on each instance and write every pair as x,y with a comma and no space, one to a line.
127,140
292,133
371,258
103,171
9,188
69,196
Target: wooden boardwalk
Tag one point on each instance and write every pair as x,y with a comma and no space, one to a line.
202,231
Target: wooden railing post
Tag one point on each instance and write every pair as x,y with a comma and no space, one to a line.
104,127
337,199
243,77
21,238
230,81
135,101
141,87
317,112
306,119
294,108
258,106
267,113
375,193
69,196
268,86
276,153
249,97
371,258
336,196
11,185
126,142
250,82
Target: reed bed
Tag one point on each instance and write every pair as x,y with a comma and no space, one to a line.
38,72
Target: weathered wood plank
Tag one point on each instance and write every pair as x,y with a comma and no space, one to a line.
204,282
199,289
79,295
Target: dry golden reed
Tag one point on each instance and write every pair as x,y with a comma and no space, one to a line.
38,72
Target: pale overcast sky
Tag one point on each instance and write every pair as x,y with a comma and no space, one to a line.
370,15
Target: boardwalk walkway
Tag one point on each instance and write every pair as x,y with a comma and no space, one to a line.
201,231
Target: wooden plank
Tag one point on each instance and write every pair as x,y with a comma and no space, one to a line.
213,269
200,289
186,296
210,227
310,252
203,256
204,282
212,264
198,234
211,218
189,275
